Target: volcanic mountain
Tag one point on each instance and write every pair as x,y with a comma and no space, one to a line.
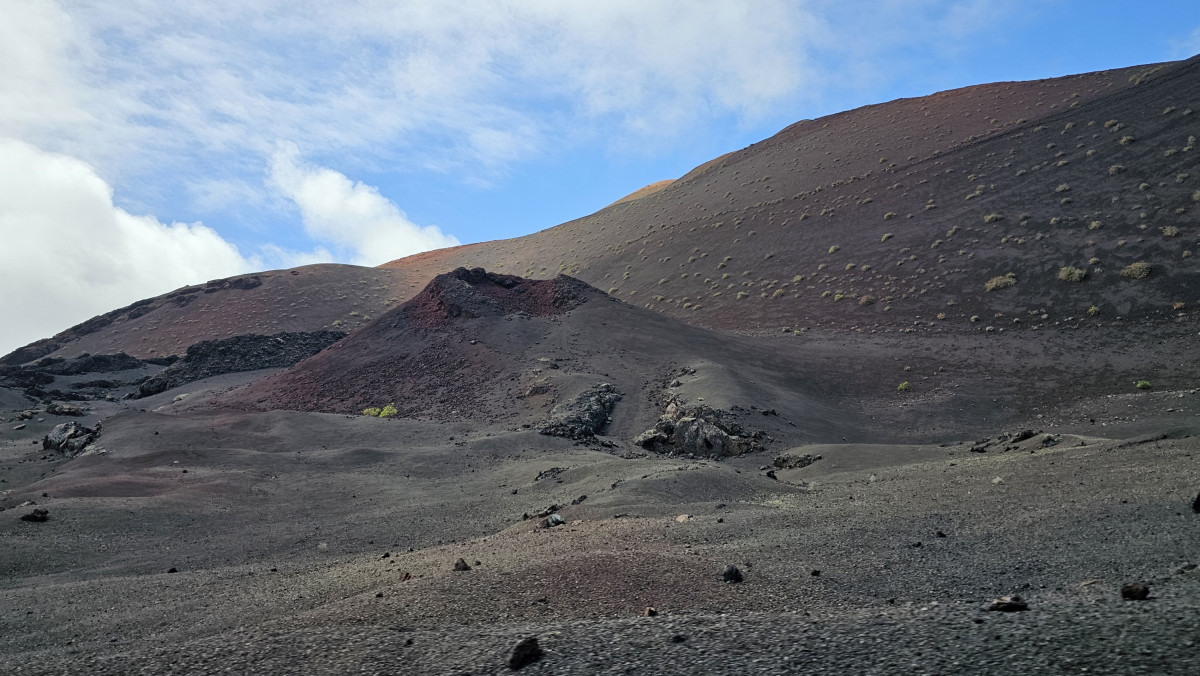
475,345
1073,198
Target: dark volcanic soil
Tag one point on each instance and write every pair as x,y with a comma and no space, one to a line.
919,445
329,542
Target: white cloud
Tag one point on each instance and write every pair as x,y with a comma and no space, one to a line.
470,86
68,254
351,215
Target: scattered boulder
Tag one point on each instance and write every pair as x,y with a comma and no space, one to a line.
1009,604
18,428
525,652
698,430
732,575
1018,437
26,415
461,565
551,521
38,515
649,611
791,461
1135,591
65,409
1196,504
69,438
584,416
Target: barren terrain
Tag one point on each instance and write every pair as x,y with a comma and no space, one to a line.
845,361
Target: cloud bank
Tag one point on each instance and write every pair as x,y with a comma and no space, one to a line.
365,227
69,254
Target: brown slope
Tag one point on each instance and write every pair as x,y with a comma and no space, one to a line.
644,191
724,246
304,299
776,208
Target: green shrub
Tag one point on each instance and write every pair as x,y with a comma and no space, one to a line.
902,387
889,215
888,235
992,218
1002,282
1138,270
1143,384
1169,231
833,249
388,411
1071,274
372,411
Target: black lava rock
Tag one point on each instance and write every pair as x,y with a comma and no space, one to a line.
37,516
1009,604
732,575
1135,591
525,652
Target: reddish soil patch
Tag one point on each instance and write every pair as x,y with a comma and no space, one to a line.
421,357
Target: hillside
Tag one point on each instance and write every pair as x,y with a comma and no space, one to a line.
888,217
894,215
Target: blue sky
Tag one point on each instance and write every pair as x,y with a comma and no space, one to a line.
145,145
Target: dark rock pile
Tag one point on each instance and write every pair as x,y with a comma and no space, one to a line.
69,438
793,461
585,415
240,353
700,431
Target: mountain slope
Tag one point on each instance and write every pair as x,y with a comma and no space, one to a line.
892,216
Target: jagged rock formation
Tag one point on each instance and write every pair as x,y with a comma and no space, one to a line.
698,430
585,415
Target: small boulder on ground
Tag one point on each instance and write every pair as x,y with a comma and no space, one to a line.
794,461
525,652
65,409
551,521
1135,591
1196,504
461,565
732,575
68,438
38,515
1009,604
